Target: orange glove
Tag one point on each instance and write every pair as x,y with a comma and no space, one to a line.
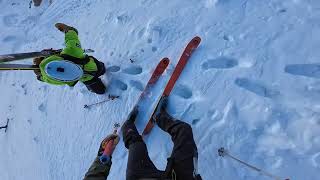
110,142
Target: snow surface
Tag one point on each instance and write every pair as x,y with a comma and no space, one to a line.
252,86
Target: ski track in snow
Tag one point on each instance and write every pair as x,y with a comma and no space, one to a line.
252,86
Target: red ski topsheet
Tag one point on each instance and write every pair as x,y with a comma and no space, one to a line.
192,45
161,67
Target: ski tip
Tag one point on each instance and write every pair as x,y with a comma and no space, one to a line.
165,60
196,40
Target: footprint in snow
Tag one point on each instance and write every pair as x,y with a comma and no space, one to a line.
147,2
10,20
132,70
154,49
123,19
308,70
182,91
188,112
25,91
9,39
141,33
119,84
36,139
113,69
219,63
42,107
315,159
256,88
30,20
136,84
195,121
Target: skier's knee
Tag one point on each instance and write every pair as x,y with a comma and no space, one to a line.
185,127
131,137
181,130
130,134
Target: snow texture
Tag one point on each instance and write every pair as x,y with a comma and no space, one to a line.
252,86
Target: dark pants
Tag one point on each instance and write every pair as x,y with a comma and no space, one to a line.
179,164
95,85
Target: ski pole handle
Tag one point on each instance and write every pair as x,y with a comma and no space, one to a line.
108,149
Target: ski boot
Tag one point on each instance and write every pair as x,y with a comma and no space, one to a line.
161,108
65,28
129,130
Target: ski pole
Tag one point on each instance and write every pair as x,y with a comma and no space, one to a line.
108,147
110,98
223,152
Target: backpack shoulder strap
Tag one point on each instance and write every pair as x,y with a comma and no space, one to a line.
79,61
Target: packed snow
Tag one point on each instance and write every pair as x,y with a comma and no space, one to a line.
252,86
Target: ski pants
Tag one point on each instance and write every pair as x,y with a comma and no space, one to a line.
96,85
180,165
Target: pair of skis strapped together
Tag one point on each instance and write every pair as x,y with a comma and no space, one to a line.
21,56
161,67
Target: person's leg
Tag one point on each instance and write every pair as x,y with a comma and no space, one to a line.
95,85
139,163
184,149
100,66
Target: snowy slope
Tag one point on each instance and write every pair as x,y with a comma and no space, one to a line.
252,86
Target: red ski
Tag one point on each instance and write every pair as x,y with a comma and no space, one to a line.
161,67
192,45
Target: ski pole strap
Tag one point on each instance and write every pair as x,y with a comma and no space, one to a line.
196,174
170,173
80,61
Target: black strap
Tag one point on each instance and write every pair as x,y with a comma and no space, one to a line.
168,172
79,61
